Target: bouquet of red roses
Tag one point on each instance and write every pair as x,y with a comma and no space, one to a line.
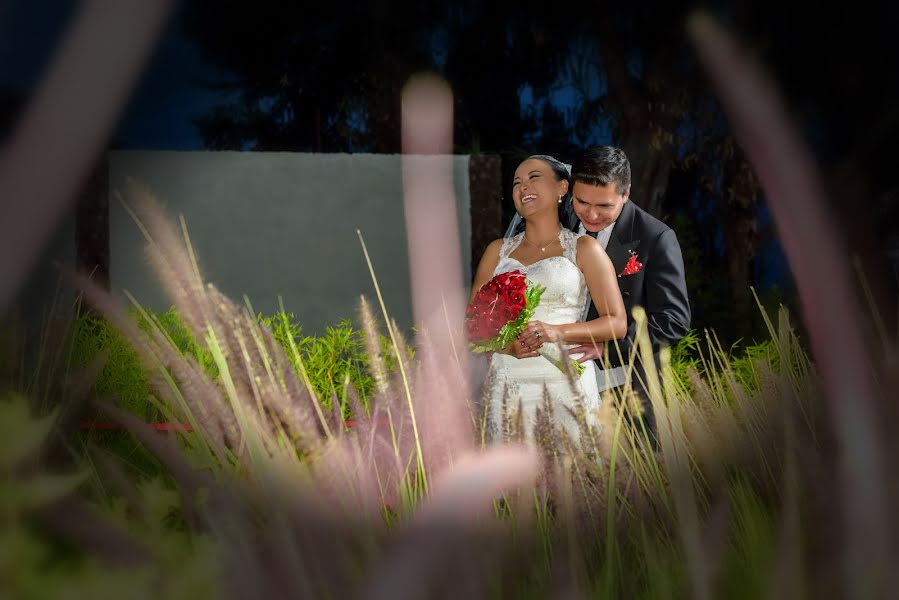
499,311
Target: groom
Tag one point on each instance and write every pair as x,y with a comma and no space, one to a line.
645,254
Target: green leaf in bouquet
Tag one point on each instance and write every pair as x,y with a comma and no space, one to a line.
578,368
558,357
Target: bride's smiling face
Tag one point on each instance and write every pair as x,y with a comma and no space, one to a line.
535,188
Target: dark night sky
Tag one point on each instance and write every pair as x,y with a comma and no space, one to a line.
170,94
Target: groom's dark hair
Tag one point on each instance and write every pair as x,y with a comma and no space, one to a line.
602,165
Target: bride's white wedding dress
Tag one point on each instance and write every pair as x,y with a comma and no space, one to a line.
514,384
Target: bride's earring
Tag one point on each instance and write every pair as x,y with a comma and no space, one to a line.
560,199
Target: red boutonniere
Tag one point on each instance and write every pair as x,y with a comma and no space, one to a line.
633,266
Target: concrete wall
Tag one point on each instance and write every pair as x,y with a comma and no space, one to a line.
266,225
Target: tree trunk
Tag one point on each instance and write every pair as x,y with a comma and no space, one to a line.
92,227
650,169
737,236
737,204
486,194
862,209
317,130
637,124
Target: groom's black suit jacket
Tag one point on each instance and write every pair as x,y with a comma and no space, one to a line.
659,286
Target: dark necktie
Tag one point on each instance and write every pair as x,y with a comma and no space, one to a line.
592,234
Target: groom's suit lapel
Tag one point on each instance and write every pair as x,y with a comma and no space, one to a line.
624,240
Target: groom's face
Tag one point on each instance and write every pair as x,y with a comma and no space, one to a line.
598,206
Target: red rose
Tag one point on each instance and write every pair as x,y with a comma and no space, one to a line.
498,302
517,284
518,300
507,279
487,299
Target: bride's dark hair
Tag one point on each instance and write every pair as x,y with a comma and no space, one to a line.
561,170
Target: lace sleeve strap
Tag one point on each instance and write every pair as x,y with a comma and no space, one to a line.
568,239
509,245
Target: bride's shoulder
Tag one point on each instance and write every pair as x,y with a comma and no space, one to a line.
587,246
494,247
585,241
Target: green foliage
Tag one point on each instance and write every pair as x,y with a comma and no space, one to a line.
752,550
751,358
684,355
21,438
21,435
332,361
123,377
742,361
35,564
170,322
643,561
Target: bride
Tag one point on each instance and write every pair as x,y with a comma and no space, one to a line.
568,265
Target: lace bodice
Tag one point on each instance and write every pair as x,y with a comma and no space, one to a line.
565,297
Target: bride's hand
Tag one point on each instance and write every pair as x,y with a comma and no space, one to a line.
519,350
537,333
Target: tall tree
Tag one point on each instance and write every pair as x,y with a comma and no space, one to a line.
328,77
651,78
839,75
323,77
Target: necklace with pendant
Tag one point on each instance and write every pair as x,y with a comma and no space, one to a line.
544,247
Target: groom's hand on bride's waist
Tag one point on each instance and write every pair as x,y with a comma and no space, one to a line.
589,351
